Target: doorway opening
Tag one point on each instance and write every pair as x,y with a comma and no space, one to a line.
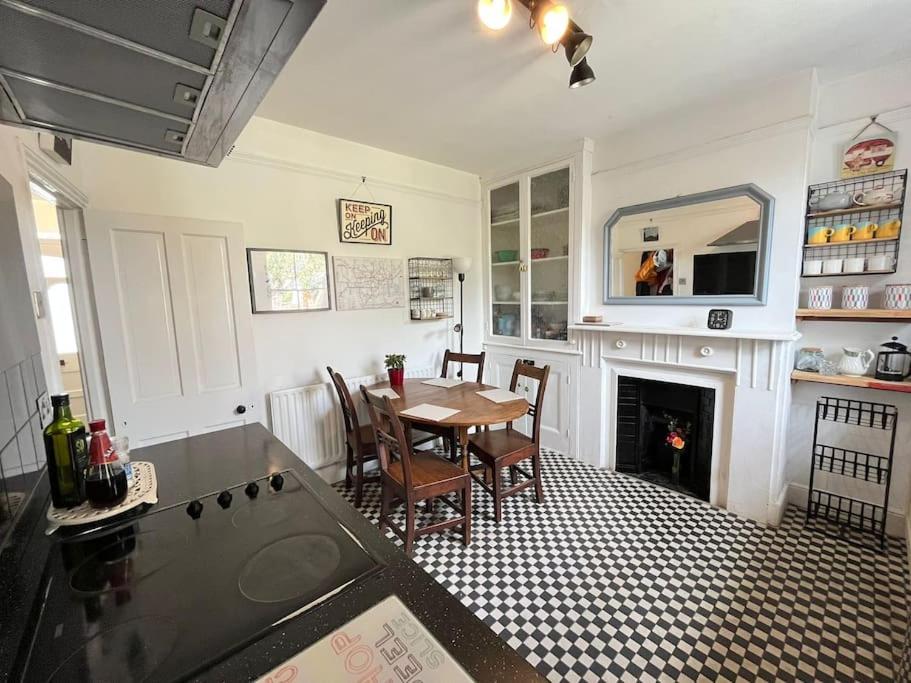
59,305
65,309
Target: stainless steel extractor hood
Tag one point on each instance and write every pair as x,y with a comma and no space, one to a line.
745,233
178,78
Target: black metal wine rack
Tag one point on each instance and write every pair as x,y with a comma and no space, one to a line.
854,519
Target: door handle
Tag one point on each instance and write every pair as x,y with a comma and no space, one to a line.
241,409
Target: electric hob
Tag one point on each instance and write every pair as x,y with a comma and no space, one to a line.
166,595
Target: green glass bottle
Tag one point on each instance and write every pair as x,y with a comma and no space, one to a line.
67,454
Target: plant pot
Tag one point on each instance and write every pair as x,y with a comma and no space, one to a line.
396,376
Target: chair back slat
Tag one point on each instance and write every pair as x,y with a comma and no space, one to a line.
388,434
540,375
465,359
349,410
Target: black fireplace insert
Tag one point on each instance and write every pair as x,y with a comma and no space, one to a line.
664,434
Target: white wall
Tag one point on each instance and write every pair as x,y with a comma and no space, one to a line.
887,92
282,184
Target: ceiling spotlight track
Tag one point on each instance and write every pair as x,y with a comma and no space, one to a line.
554,25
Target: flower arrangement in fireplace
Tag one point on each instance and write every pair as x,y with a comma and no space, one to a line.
677,432
677,435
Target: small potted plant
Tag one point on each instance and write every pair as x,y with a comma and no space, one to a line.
395,364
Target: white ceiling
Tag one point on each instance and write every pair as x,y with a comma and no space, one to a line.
425,79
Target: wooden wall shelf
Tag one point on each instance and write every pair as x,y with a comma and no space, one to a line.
868,315
845,381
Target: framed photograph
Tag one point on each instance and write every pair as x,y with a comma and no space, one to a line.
873,154
361,222
650,234
288,281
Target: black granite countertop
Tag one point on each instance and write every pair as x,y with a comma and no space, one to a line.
193,467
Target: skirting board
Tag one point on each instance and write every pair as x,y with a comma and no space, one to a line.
895,521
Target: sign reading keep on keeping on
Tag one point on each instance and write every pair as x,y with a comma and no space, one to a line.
362,222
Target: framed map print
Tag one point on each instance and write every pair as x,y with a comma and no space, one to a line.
368,283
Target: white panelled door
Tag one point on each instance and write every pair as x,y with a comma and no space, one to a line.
176,331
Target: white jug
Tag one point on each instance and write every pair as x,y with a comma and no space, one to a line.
854,362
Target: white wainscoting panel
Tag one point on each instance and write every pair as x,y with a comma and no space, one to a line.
308,419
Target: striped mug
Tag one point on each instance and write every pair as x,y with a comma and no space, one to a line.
855,297
897,297
820,298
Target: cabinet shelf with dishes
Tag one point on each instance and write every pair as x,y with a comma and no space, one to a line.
869,245
532,220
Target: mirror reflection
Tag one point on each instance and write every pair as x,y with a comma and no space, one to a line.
707,248
283,281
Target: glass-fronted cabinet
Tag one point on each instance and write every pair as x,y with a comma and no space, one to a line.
505,267
529,247
549,255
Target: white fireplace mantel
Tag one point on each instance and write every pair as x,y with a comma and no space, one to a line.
749,372
784,335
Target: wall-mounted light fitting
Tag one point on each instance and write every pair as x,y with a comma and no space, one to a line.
551,19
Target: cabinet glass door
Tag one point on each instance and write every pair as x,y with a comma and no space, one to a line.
549,265
505,245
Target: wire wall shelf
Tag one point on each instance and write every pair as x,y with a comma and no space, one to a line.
889,213
430,288
852,518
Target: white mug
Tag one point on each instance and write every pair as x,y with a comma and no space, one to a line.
854,265
831,266
820,298
880,262
812,267
897,297
855,297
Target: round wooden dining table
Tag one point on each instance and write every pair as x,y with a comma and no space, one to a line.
474,410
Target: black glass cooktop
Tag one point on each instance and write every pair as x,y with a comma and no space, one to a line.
170,593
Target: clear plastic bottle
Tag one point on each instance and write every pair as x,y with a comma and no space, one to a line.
122,449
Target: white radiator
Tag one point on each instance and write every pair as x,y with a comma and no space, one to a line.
308,419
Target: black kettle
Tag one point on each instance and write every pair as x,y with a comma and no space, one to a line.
893,365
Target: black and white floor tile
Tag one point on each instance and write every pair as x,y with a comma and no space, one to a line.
613,578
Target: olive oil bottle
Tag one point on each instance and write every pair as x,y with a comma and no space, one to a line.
67,455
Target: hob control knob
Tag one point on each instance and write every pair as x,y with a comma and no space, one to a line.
252,490
194,509
224,499
276,482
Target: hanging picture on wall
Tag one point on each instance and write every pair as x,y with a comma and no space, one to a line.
361,222
368,283
288,281
871,154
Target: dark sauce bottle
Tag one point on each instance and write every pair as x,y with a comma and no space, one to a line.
105,480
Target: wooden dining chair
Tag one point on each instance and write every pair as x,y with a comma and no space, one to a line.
412,477
449,439
508,447
464,359
359,444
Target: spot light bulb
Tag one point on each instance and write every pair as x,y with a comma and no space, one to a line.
552,21
495,14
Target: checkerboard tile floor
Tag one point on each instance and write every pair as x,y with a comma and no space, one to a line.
613,578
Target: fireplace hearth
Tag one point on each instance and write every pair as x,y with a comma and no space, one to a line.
649,414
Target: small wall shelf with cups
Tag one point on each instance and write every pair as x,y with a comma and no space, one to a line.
864,239
430,288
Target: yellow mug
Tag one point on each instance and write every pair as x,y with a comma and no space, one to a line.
842,233
819,234
889,229
865,232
